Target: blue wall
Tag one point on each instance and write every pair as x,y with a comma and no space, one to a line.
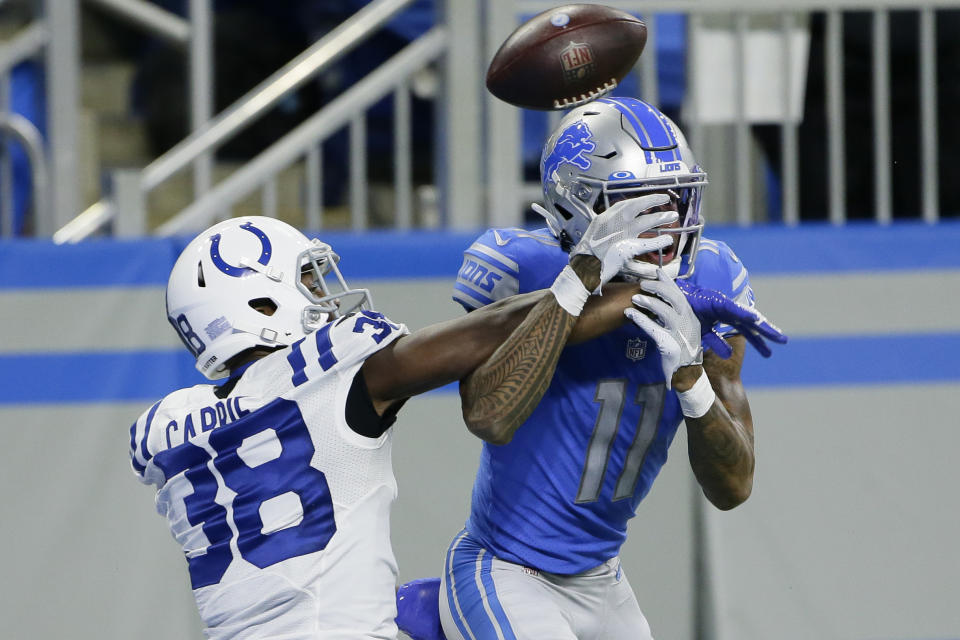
819,252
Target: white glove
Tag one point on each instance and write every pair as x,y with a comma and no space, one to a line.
678,340
612,235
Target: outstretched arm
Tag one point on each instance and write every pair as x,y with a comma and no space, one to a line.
502,392
505,354
448,351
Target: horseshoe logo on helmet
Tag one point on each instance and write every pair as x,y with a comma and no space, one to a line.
236,272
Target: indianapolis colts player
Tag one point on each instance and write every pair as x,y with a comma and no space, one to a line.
538,557
278,482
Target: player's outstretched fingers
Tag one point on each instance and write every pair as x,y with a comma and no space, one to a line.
754,338
757,330
666,288
715,342
624,251
769,330
639,220
664,312
640,205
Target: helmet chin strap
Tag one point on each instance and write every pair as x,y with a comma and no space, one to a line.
549,217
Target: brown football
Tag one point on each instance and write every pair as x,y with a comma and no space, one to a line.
566,56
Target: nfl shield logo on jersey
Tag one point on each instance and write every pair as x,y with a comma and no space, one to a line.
636,348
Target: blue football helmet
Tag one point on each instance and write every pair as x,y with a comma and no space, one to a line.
616,148
254,282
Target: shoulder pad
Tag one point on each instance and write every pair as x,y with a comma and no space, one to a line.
719,268
146,432
341,343
504,262
139,433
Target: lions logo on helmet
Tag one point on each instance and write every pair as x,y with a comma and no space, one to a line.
254,282
572,147
616,148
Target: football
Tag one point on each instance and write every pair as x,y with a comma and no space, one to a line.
566,56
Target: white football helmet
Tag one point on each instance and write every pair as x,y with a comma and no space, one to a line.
241,265
616,148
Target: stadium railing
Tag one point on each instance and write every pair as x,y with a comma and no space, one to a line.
783,19
28,43
128,204
479,174
53,37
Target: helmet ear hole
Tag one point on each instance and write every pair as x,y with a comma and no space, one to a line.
562,211
266,306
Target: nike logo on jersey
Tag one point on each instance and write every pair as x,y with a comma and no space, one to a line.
520,233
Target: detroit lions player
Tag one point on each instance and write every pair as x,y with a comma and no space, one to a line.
278,482
538,557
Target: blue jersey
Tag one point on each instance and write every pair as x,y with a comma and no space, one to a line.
559,495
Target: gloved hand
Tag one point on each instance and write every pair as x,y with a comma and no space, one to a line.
418,612
678,340
713,307
612,235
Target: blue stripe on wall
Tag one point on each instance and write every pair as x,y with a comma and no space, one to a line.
828,361
28,264
817,248
32,264
64,378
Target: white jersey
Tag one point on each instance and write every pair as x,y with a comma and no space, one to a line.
283,512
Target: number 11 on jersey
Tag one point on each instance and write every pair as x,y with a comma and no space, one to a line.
612,397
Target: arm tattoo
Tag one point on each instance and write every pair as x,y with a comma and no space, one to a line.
719,439
720,443
502,393
508,386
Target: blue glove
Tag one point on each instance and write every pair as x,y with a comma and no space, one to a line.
712,307
418,609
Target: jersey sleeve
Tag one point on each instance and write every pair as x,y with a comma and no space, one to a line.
719,268
342,343
504,262
140,454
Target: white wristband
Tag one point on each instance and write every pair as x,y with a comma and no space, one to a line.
569,291
698,400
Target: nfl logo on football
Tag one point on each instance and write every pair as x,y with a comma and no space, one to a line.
636,348
577,59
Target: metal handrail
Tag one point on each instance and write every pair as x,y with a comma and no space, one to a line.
780,19
298,142
245,110
255,103
29,136
146,14
753,6
86,224
28,43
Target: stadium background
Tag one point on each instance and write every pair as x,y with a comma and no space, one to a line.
850,533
